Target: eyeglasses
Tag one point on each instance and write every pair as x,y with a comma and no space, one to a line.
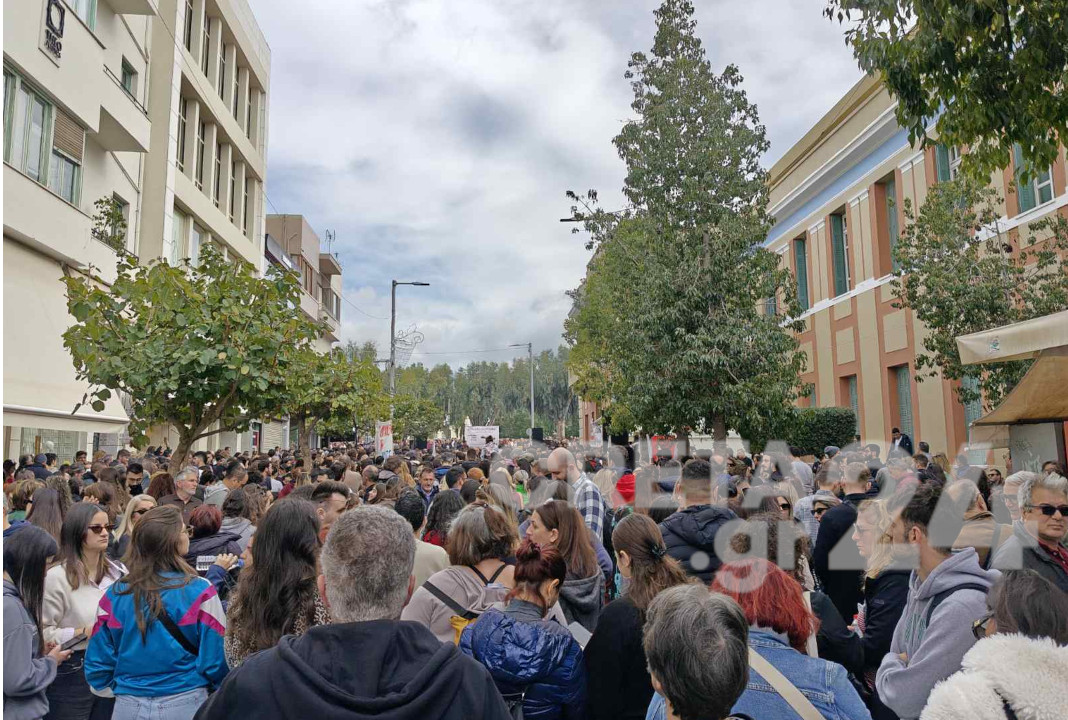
100,529
1049,510
979,626
785,506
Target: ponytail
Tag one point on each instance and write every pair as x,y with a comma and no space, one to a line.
535,565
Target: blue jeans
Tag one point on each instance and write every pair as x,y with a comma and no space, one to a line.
182,706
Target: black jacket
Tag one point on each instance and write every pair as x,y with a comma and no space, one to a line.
693,530
835,641
884,601
836,560
39,471
383,669
1022,550
220,542
617,678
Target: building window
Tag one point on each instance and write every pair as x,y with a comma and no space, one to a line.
973,409
172,251
770,306
903,387
196,240
200,157
86,10
124,208
244,208
222,73
840,248
801,271
1037,189
182,106
892,229
63,177
947,162
27,117
129,78
218,173
188,38
233,174
205,45
248,113
854,403
237,94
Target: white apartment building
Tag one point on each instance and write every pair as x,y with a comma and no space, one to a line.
75,130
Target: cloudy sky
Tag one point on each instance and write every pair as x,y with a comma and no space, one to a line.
436,138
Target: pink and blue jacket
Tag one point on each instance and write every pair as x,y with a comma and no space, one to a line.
120,660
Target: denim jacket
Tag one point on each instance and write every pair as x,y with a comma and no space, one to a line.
824,683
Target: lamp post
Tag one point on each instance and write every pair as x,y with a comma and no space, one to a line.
393,339
530,354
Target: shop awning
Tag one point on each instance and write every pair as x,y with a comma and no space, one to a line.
1019,341
1041,396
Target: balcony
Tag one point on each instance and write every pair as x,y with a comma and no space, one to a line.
329,264
124,124
132,7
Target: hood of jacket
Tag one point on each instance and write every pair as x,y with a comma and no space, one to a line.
1026,672
11,591
516,652
236,525
697,525
212,544
581,600
383,669
386,475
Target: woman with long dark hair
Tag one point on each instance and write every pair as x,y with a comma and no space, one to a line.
619,683
157,644
443,510
28,669
534,662
161,485
46,512
559,524
73,589
277,594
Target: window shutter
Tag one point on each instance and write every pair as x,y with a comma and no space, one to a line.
841,283
801,268
891,221
68,136
1025,197
942,163
904,400
854,403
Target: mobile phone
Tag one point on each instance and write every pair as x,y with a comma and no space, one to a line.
76,640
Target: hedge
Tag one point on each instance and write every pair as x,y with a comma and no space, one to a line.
812,429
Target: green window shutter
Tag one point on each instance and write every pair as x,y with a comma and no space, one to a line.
841,279
942,163
973,410
853,403
801,268
1025,197
891,221
770,306
904,399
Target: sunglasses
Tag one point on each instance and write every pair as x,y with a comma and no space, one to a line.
1049,510
785,506
100,529
819,511
139,513
979,626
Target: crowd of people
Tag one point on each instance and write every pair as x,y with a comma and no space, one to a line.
524,581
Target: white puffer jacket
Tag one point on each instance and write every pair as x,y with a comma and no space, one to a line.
1031,675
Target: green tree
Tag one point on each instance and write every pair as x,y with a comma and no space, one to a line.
415,417
698,350
203,348
959,273
109,223
991,71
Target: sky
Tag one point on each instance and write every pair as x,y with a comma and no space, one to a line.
436,139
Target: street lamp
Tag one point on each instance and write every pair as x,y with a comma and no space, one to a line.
393,339
530,353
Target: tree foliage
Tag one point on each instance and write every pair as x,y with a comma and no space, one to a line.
415,417
960,273
991,71
666,330
203,348
109,224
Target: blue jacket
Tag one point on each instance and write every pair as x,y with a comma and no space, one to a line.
117,657
824,683
538,657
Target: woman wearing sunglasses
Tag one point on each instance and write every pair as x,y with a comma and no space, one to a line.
1017,669
73,588
138,506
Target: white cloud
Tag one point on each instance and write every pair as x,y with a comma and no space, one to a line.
437,138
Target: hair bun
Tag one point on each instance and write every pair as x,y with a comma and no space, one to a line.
529,551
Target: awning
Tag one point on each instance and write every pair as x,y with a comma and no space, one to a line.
1042,394
1019,341
40,386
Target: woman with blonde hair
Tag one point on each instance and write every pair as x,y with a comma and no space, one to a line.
405,474
886,589
138,506
605,480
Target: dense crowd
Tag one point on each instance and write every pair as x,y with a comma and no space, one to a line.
524,581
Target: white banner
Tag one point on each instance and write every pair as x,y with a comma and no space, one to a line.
475,435
384,438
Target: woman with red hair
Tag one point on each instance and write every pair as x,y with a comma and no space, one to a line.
779,627
207,538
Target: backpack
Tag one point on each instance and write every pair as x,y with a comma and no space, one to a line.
937,599
462,617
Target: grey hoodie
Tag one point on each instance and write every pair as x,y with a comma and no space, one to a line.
26,675
934,652
239,526
581,600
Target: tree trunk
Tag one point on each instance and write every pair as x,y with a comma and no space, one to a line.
719,429
180,456
304,431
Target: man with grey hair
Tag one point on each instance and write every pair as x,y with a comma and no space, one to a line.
696,646
1037,541
366,662
185,489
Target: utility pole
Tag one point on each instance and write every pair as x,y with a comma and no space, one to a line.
393,339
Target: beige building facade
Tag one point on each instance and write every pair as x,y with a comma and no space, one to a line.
837,200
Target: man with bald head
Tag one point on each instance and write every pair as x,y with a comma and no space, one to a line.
587,498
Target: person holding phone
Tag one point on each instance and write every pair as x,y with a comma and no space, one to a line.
29,664
73,588
158,640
